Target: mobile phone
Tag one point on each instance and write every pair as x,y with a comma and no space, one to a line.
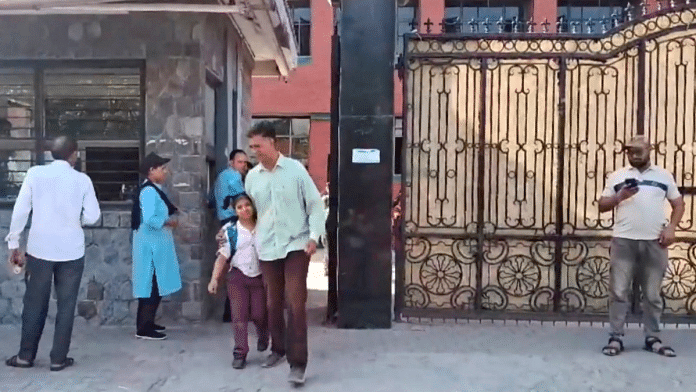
631,182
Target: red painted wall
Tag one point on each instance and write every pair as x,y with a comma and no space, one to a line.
308,88
319,148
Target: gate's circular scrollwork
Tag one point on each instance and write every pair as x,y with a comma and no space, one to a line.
572,300
542,300
680,279
519,275
441,274
493,298
593,277
463,298
415,297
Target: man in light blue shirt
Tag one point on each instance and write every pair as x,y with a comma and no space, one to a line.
229,184
290,222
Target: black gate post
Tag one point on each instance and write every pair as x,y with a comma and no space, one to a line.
365,163
332,220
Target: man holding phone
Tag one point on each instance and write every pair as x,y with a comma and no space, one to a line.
641,236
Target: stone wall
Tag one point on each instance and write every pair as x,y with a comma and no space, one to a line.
177,49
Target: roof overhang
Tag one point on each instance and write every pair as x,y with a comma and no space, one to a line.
264,25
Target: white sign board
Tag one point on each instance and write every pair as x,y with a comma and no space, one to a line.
365,155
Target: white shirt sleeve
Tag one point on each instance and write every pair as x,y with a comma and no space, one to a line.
90,205
672,190
609,190
20,213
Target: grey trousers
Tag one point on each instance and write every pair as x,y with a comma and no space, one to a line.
643,260
66,276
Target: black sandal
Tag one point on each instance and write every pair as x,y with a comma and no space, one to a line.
665,351
13,361
612,351
55,367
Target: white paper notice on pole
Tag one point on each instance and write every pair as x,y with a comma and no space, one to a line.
365,155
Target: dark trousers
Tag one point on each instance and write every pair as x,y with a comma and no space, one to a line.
248,301
66,277
286,282
147,309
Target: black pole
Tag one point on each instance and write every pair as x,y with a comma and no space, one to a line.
365,163
332,220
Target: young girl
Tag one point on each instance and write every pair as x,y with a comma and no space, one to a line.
244,283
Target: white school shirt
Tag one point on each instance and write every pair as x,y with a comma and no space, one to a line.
61,200
642,216
246,257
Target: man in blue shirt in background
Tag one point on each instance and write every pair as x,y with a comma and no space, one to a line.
230,183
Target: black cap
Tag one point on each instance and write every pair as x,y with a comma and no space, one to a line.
150,161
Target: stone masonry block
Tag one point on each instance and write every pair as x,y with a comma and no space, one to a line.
192,163
14,288
196,252
86,309
101,237
111,219
88,236
191,310
191,271
195,218
4,306
95,290
190,200
171,310
191,235
5,218
111,255
93,254
125,220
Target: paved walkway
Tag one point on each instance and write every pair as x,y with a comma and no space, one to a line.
409,357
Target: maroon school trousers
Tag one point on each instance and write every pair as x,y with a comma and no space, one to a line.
247,302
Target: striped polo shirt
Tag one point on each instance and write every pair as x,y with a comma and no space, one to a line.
642,216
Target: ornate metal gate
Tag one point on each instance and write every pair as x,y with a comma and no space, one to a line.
509,140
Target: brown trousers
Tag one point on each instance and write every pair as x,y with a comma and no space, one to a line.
286,282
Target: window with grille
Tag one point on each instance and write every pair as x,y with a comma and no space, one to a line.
589,17
101,107
406,21
292,136
483,16
301,16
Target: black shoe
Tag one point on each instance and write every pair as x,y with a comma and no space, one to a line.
238,363
151,335
262,345
56,367
158,327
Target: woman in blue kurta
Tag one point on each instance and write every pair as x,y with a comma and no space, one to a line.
155,265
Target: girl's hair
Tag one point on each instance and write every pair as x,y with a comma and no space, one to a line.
244,196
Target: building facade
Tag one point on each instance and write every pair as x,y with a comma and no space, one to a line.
125,80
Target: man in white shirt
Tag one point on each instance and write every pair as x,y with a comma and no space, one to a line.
61,200
641,236
290,223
